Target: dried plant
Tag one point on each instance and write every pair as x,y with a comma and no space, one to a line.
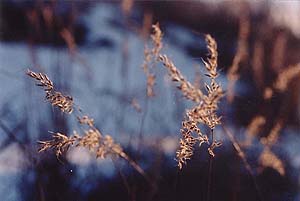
238,149
70,41
283,80
102,145
205,110
86,120
151,58
91,139
272,137
150,85
286,76
60,143
42,79
188,140
147,24
135,104
240,56
157,40
188,90
254,128
213,146
269,159
64,102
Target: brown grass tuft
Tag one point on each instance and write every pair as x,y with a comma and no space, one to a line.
92,139
102,145
42,79
60,143
151,58
205,110
157,39
188,140
63,102
188,89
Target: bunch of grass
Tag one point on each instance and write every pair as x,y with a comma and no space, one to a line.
188,90
102,145
204,112
151,58
60,142
92,139
56,98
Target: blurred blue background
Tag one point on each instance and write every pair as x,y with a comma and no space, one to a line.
94,51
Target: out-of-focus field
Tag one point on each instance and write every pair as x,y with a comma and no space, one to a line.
95,52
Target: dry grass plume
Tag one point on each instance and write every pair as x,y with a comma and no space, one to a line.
102,146
204,112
